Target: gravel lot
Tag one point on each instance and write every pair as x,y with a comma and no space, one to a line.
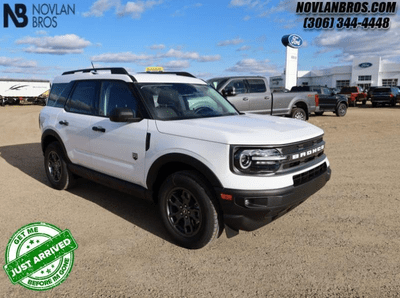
342,242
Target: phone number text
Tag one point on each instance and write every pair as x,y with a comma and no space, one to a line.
346,23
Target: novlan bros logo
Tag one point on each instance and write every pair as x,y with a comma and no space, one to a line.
42,15
16,15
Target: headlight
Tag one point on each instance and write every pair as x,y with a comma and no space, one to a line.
257,161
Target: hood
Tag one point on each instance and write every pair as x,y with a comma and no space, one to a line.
247,129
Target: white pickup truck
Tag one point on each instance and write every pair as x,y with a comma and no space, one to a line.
252,94
15,91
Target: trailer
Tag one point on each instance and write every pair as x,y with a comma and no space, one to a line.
14,91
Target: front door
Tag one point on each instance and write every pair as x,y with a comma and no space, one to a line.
240,100
118,149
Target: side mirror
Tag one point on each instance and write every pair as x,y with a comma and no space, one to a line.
229,91
124,115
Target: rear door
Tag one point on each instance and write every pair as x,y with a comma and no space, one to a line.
258,95
327,100
73,123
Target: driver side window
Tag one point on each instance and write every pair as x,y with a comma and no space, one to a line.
238,85
116,94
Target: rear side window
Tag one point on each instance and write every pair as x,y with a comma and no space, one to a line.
327,91
55,94
349,90
256,86
300,88
83,98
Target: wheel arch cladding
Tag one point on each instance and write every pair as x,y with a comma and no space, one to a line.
174,162
49,136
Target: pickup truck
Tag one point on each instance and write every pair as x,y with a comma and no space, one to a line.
354,94
329,101
252,94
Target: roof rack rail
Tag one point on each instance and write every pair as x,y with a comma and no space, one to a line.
179,73
114,70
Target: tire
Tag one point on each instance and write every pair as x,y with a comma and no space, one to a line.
56,167
364,102
341,110
299,113
319,113
188,210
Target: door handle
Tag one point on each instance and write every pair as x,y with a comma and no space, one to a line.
64,122
245,98
266,97
98,128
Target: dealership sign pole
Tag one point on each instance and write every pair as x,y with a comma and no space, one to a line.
292,43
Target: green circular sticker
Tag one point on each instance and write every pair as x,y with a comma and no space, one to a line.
40,256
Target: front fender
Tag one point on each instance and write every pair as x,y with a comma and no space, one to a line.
182,160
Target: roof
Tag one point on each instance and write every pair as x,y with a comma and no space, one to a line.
237,77
121,74
166,78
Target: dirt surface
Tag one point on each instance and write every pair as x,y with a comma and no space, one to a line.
342,242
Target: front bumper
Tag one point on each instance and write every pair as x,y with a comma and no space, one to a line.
250,210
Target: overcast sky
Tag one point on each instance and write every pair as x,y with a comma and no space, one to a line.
207,38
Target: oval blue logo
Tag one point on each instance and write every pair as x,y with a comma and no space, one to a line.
365,65
292,40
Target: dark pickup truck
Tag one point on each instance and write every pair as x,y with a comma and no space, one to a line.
329,101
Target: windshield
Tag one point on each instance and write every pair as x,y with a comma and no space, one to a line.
217,83
172,101
377,90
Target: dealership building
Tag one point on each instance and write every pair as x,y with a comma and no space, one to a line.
364,72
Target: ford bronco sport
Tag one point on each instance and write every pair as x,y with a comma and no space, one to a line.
175,140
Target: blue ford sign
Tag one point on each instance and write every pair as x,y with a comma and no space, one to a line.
292,40
365,65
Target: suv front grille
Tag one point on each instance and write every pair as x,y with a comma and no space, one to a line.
309,175
301,154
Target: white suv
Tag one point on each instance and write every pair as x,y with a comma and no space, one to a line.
171,138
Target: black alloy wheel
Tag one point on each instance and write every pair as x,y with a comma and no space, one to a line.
56,167
188,209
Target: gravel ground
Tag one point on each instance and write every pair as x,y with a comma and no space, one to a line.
342,242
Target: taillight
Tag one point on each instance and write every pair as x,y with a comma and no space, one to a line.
391,95
316,100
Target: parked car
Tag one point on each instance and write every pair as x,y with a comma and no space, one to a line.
252,94
354,94
173,139
369,91
385,95
329,101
